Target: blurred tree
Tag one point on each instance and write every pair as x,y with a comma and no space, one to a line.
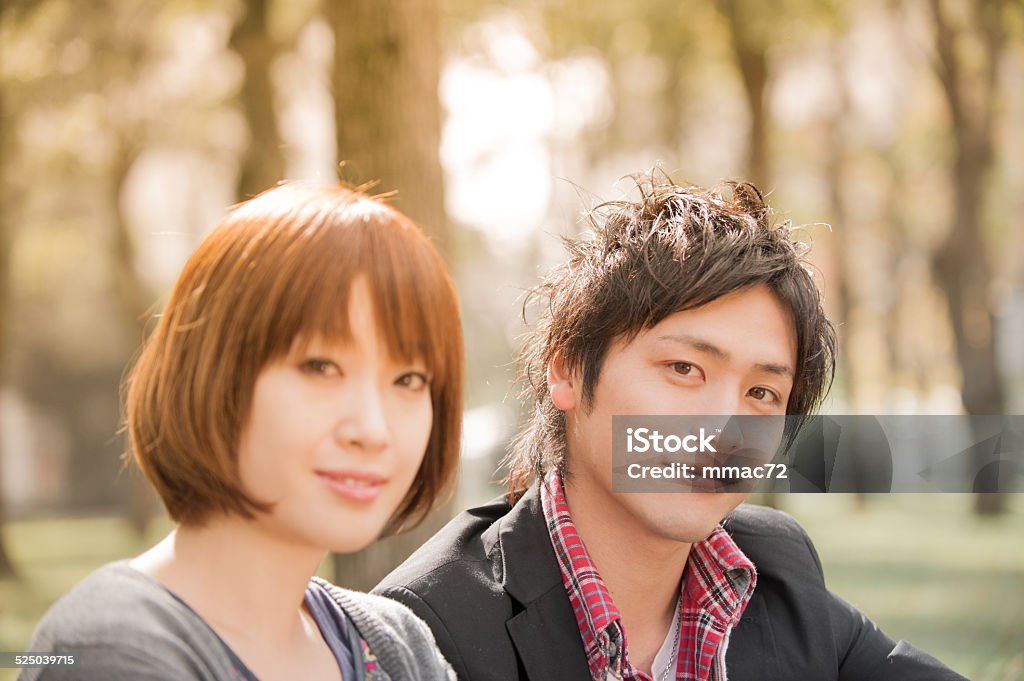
6,566
970,84
835,171
262,161
750,49
92,92
387,109
133,297
125,55
755,30
650,47
388,114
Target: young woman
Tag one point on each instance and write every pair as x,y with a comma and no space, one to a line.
300,394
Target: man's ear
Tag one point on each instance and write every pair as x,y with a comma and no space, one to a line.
561,384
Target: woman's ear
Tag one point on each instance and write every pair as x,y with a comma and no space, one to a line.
561,384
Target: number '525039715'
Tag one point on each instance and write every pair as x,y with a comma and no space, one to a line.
30,660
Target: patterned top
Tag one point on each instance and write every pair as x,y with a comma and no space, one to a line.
717,584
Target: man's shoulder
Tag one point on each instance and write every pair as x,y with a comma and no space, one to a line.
462,550
774,541
465,552
751,519
473,576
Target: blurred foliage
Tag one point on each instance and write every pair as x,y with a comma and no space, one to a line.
922,582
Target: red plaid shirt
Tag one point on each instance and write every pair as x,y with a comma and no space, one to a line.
717,584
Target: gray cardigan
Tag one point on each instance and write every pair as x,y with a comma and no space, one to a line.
123,624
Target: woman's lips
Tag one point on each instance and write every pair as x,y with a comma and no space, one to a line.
354,485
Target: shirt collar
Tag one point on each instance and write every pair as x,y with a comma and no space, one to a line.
720,578
578,570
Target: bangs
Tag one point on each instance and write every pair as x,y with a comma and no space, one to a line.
311,280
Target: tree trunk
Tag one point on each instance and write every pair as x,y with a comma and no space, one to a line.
133,300
961,264
387,109
263,163
388,117
844,267
752,60
6,566
842,233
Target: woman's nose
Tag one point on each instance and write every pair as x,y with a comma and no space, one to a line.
363,423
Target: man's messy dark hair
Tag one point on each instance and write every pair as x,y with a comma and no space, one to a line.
675,248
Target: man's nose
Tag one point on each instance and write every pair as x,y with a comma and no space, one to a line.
723,406
731,437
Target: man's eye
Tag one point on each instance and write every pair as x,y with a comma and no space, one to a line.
319,367
413,380
683,368
764,395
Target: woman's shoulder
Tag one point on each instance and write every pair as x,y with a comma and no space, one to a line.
119,620
112,599
400,640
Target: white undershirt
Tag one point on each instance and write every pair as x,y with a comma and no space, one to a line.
667,657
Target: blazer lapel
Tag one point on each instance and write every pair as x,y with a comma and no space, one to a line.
548,641
544,632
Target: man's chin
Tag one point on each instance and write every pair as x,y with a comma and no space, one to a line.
696,521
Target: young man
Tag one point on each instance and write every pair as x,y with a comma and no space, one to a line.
682,302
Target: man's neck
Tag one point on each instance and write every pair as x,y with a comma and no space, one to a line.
641,570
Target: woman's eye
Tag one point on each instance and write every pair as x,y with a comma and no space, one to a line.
320,367
764,395
413,380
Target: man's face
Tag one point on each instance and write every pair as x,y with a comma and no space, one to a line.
733,356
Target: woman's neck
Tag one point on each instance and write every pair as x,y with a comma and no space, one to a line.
243,580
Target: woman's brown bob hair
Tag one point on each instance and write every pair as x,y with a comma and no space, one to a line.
275,271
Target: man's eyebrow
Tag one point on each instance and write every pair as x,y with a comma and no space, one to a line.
710,348
695,343
778,369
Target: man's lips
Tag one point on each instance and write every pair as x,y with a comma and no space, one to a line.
362,486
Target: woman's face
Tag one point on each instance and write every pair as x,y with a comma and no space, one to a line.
335,437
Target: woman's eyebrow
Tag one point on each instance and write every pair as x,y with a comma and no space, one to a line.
707,347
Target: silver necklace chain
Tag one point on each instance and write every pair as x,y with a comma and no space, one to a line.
673,662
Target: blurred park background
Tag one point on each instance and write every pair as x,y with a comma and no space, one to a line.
890,131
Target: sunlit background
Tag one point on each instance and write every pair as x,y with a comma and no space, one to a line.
889,132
